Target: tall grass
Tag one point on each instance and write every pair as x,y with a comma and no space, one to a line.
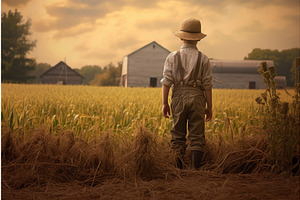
88,110
83,133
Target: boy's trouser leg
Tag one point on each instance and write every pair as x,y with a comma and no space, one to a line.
196,130
196,124
178,130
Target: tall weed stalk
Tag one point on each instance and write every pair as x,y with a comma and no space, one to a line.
281,123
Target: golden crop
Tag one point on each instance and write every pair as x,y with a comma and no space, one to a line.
87,110
85,133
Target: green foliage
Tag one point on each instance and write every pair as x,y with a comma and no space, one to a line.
15,66
110,76
89,72
38,71
280,121
283,60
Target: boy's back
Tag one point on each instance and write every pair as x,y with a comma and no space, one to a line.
189,72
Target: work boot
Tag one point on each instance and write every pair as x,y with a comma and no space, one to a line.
196,159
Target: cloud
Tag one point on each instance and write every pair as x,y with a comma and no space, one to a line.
70,20
74,31
75,12
116,4
156,24
248,3
103,31
64,17
15,3
88,2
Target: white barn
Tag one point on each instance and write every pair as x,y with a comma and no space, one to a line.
144,67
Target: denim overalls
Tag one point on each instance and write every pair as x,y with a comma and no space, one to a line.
188,110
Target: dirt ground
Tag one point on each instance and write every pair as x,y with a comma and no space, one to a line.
186,185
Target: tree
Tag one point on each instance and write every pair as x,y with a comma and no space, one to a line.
38,71
89,72
283,60
110,76
15,45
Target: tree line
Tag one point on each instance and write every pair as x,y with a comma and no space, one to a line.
283,60
16,67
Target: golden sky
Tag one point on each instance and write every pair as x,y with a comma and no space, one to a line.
97,32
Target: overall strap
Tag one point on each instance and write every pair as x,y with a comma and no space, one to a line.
180,68
196,71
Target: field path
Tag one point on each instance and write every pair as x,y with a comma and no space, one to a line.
187,185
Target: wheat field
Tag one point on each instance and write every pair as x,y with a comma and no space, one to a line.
88,110
111,136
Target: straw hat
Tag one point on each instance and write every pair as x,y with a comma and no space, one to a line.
190,30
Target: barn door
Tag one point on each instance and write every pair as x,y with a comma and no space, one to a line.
252,85
153,82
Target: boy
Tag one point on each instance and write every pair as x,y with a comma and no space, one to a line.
189,72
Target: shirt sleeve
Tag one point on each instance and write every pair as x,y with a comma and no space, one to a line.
168,78
207,75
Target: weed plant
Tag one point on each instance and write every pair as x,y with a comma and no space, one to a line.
280,121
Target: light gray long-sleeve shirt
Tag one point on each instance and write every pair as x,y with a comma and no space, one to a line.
189,57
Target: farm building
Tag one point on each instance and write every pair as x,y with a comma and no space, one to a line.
61,74
240,74
144,68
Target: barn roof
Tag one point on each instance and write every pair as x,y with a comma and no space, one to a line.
151,43
56,70
237,66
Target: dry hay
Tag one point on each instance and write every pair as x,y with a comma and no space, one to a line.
43,159
244,155
63,157
147,157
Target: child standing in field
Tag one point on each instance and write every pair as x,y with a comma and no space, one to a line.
189,72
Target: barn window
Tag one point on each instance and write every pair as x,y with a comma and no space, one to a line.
252,85
153,82
154,46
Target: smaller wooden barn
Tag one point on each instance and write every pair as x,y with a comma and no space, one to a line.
61,74
144,67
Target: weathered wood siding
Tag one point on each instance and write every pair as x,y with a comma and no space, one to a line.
145,64
61,74
237,81
69,80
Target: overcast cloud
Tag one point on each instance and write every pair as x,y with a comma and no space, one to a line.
103,31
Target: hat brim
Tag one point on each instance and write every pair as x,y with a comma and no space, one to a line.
189,36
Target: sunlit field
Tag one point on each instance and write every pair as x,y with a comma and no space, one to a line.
90,110
117,138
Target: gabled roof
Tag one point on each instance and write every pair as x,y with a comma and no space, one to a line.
151,43
56,70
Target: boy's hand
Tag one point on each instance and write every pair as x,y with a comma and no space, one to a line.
208,113
166,110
